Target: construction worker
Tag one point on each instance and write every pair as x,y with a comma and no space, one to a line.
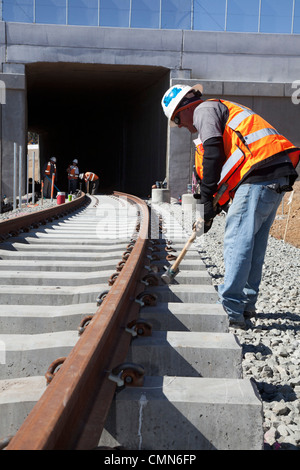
73,175
91,182
49,169
244,161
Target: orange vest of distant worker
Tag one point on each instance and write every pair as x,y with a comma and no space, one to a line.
48,168
72,173
248,140
90,177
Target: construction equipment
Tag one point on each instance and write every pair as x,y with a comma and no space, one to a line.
171,272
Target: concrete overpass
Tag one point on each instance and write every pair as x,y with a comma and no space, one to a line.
94,93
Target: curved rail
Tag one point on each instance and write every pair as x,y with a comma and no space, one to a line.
72,411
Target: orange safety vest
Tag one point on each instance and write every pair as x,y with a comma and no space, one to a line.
72,174
48,169
90,177
248,141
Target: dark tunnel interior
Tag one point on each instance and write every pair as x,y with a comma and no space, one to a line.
109,117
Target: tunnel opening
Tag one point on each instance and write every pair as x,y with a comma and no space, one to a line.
109,117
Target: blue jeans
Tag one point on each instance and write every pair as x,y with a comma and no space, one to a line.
248,223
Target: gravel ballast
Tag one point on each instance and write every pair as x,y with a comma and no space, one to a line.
271,341
27,209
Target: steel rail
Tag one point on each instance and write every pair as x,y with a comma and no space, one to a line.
72,411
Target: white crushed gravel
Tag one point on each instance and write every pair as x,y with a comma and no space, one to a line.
28,208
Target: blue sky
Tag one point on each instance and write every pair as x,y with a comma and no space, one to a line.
268,16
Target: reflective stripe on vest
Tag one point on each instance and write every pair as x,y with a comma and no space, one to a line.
255,136
90,177
72,173
48,168
237,120
238,154
230,164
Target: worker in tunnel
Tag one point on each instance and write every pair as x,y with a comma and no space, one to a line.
49,171
244,163
91,182
73,175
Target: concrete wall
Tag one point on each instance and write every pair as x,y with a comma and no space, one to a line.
253,69
13,131
209,55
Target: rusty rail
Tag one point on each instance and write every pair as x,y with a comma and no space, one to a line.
72,411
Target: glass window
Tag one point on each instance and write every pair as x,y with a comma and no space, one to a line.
83,12
114,13
50,11
296,28
209,15
21,11
145,13
242,15
176,14
276,16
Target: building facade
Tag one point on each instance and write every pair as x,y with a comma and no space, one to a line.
256,16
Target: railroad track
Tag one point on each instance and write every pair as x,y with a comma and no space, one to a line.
98,353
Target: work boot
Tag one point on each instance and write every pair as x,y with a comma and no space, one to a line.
249,314
241,325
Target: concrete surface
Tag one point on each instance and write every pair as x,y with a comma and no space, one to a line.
191,354
187,413
176,316
17,398
160,195
31,355
38,319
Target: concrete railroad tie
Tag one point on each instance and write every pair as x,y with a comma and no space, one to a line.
194,395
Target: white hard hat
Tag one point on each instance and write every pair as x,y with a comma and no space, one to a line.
75,160
53,159
172,98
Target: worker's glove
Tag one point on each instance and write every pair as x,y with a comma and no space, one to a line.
200,226
207,225
211,210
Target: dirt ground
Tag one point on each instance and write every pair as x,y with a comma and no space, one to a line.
287,223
